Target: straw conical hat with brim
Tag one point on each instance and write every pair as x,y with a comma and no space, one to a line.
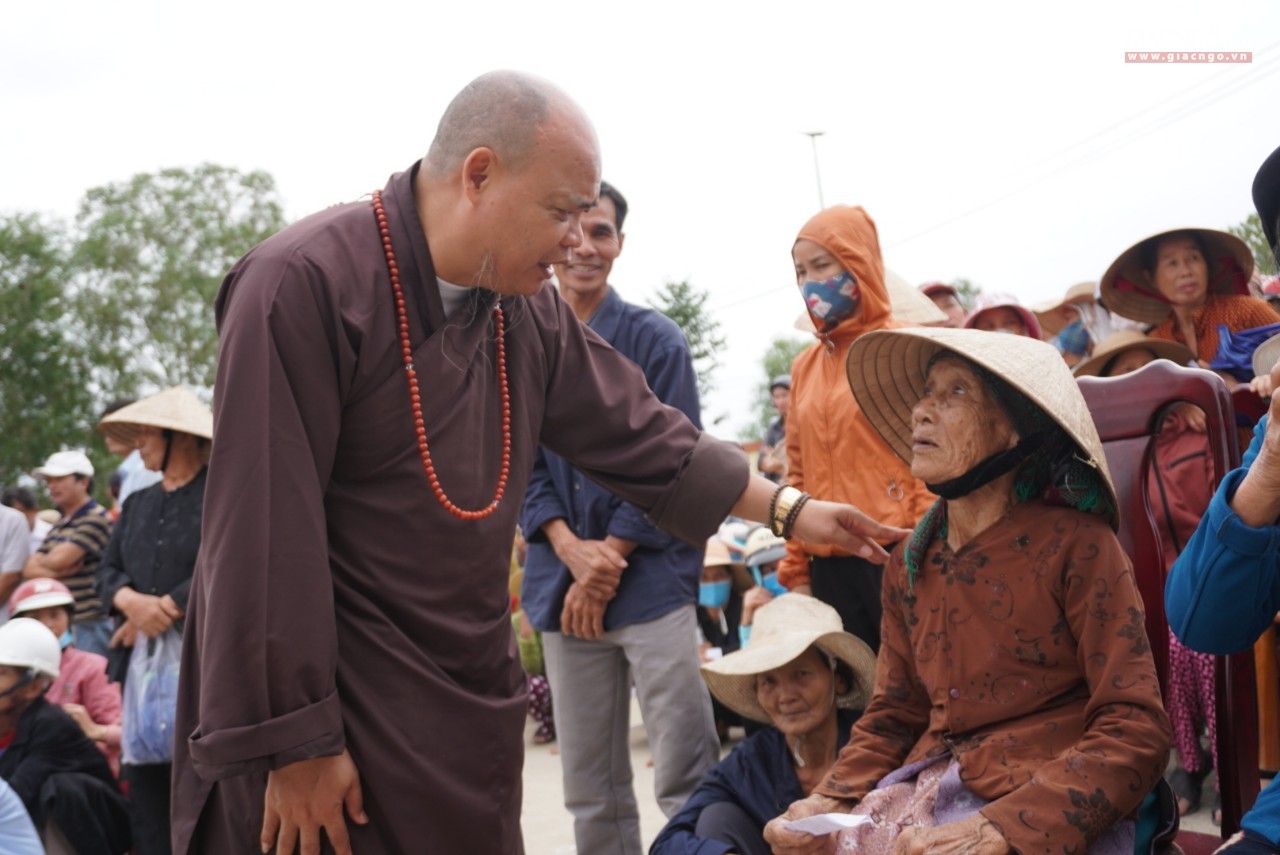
1051,316
176,409
783,629
1117,343
1126,291
887,368
908,304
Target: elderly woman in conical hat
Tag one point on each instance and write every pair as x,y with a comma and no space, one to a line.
145,575
1187,283
1016,705
805,676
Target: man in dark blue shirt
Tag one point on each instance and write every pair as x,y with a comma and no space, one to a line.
614,596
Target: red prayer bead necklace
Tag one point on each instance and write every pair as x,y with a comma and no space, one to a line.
415,396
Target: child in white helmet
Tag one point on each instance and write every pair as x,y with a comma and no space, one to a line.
45,757
82,687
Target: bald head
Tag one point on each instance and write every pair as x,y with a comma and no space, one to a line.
503,111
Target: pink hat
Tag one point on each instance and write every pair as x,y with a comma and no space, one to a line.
39,594
1005,301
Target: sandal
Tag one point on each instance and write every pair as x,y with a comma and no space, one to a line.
1186,786
544,734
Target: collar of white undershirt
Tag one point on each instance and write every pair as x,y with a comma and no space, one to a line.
453,296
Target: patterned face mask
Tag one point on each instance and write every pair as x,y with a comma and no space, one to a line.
833,300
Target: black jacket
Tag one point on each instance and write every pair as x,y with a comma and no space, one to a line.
49,741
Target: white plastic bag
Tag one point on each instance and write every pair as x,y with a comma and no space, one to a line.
151,699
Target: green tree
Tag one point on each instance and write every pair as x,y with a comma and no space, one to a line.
46,399
152,254
1250,231
687,306
777,360
968,290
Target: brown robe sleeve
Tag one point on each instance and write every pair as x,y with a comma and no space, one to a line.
1103,778
899,710
268,644
602,418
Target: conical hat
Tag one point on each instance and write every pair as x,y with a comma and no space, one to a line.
887,368
909,305
1126,292
176,409
1116,343
1052,318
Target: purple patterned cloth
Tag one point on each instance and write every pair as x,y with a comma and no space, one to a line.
927,794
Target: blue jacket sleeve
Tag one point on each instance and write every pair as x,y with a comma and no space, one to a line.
678,837
541,503
1224,589
669,371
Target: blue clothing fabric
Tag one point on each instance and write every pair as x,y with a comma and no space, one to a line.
758,776
1223,591
17,833
662,573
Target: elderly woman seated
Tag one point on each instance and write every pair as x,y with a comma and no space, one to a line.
807,677
1016,706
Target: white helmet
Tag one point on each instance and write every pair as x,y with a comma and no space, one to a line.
27,643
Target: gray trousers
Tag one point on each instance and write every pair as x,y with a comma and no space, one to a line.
591,690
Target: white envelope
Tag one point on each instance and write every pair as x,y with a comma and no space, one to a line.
825,823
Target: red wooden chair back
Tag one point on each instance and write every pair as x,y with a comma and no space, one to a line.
1128,411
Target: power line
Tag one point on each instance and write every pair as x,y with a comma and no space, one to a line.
1187,108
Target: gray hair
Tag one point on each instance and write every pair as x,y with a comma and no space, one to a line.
501,110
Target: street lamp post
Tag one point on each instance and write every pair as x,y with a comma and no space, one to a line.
817,173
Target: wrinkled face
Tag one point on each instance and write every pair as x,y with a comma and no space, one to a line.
54,617
587,270
950,307
1181,274
1130,360
781,399
68,491
956,424
1000,319
151,447
799,697
530,213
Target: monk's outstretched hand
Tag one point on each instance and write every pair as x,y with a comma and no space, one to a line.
305,797
847,527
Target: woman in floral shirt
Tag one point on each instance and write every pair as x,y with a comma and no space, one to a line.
1016,705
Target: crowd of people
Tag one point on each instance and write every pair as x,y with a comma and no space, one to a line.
91,645
298,621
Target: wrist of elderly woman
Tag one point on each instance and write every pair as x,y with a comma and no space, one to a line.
1257,499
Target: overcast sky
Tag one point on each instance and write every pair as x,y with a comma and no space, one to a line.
1009,143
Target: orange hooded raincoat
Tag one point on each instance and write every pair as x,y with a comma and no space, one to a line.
833,452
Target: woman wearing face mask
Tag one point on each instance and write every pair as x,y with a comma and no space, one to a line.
832,450
81,687
807,679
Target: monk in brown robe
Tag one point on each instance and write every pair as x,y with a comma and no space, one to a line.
349,677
